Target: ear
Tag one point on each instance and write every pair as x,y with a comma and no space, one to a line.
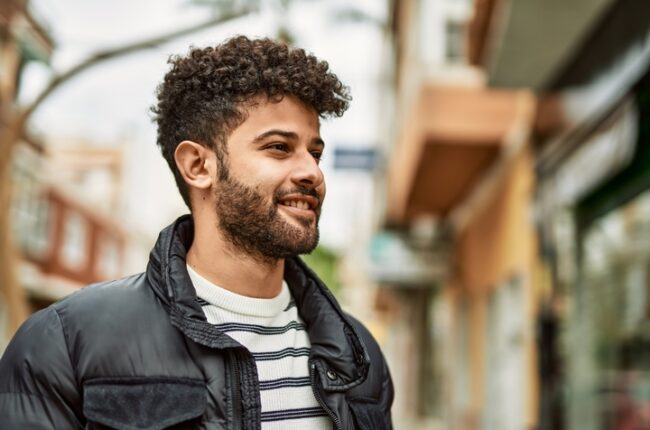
195,163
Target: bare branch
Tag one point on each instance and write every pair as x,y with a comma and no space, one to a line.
102,56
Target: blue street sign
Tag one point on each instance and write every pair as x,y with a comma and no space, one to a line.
351,158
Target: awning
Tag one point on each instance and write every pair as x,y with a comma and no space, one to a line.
451,136
391,261
527,43
605,152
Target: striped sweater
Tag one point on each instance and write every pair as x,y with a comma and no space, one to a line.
276,336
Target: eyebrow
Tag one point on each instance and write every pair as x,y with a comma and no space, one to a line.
286,134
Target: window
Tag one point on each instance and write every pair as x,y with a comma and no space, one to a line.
30,210
75,235
455,41
109,257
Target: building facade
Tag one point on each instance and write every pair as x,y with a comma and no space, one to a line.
534,180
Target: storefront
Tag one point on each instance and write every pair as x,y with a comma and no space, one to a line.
594,214
612,307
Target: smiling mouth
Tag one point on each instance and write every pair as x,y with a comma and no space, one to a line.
297,204
300,203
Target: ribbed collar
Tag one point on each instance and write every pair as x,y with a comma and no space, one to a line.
236,303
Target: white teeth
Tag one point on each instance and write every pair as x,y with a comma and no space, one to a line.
297,204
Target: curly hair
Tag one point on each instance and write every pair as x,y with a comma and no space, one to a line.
204,95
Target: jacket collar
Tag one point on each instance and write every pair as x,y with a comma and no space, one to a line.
337,351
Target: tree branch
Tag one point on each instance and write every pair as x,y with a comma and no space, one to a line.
108,54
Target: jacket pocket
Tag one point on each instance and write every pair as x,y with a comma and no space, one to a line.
142,403
368,414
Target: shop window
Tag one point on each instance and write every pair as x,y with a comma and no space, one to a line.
614,323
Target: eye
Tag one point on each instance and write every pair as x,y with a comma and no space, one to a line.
278,147
318,156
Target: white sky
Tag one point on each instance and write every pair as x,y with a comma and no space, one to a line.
111,103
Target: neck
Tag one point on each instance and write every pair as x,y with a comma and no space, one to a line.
220,262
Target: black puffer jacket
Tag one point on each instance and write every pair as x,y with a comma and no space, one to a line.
138,353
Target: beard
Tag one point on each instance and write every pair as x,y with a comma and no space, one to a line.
256,227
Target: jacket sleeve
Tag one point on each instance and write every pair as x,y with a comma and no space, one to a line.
37,384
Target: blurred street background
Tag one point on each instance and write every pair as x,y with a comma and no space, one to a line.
488,209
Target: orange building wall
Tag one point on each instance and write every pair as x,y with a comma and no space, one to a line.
499,242
501,239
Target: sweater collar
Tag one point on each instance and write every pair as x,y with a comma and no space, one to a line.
337,351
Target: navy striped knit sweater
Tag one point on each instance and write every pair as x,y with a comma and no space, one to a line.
275,335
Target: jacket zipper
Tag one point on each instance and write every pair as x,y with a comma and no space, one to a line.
236,392
319,399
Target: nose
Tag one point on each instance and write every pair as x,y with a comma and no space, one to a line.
307,172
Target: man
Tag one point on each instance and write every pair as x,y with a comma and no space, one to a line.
227,328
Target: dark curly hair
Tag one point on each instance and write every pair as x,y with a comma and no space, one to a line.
204,95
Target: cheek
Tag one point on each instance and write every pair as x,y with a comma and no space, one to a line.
257,175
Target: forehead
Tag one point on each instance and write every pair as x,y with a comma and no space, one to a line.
289,114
